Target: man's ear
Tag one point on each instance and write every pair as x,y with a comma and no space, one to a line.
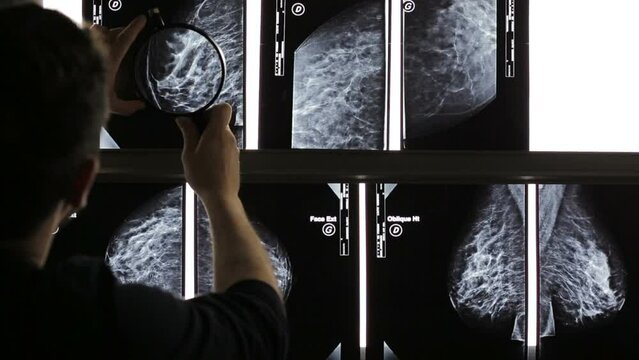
83,182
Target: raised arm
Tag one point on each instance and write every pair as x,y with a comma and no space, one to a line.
212,168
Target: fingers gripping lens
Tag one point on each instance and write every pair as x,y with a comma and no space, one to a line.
180,70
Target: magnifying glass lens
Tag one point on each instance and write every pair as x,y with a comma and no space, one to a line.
179,71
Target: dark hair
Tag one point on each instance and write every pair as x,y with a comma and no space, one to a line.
52,105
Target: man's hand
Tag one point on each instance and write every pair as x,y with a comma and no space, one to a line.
118,42
212,167
211,160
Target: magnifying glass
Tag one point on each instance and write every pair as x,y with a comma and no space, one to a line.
178,68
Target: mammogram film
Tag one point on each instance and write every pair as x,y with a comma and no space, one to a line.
147,248
472,243
447,272
135,228
580,271
301,225
450,62
587,243
179,71
186,72
224,22
205,263
339,82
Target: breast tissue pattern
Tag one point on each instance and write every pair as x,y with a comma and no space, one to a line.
147,247
581,276
190,66
450,62
339,82
276,251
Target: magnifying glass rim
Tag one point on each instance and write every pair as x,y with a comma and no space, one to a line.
220,55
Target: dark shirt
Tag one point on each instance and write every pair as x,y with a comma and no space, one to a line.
77,310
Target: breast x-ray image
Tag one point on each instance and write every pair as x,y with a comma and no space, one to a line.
324,66
136,228
205,262
147,248
447,264
307,230
446,272
457,254
465,75
311,224
588,276
487,276
188,61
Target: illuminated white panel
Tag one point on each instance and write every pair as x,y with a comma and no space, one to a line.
252,72
189,243
394,73
362,266
70,8
531,270
584,75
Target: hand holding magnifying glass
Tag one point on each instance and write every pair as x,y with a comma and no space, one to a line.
175,68
119,41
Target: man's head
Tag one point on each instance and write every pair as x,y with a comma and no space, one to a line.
52,105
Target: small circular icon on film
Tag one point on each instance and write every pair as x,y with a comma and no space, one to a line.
298,9
329,229
115,5
409,5
396,230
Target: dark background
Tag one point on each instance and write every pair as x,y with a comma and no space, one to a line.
323,304
616,210
276,98
503,124
408,301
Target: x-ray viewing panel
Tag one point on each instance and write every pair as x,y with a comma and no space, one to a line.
136,228
466,75
324,65
447,272
222,20
308,232
565,113
144,233
588,273
447,264
327,80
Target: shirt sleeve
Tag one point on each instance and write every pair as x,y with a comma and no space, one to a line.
248,321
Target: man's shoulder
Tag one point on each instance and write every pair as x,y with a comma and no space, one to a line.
60,311
81,276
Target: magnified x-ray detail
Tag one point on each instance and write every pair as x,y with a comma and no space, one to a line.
339,82
179,70
147,248
581,275
223,20
450,62
277,253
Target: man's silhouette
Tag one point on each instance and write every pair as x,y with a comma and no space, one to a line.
57,85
